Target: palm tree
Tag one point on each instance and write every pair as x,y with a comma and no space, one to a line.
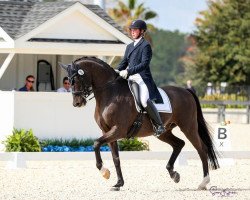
125,13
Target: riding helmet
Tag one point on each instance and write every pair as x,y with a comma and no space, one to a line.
140,24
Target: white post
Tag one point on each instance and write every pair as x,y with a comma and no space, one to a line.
6,64
6,116
111,60
222,140
17,161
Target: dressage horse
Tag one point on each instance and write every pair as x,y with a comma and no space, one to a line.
115,112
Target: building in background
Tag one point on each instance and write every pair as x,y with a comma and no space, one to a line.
34,37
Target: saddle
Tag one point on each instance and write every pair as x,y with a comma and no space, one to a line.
164,107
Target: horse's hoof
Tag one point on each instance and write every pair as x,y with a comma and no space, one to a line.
176,177
115,189
105,173
205,181
202,188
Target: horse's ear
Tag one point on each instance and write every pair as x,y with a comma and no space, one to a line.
63,66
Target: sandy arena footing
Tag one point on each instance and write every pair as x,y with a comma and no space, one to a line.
144,179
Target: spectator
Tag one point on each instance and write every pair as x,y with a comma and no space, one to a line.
210,89
66,86
28,87
189,86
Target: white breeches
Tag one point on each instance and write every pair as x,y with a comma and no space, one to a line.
144,94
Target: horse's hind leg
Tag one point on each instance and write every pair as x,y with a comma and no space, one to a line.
194,138
177,144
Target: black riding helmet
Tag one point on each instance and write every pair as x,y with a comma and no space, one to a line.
140,24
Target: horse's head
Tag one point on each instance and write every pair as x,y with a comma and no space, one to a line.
80,81
87,74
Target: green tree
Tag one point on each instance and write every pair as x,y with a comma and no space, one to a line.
168,48
125,13
223,41
190,70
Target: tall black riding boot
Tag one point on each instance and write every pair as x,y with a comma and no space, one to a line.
155,118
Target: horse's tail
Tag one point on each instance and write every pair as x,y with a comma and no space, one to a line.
205,135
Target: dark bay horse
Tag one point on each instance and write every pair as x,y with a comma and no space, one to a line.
115,112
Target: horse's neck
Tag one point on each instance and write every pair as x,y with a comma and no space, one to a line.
101,76
114,91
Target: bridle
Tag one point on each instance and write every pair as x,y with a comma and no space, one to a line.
86,89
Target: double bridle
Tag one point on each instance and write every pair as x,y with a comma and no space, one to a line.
86,89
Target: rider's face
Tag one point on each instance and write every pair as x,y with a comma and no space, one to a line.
135,33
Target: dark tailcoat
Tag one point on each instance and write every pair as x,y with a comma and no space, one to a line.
137,59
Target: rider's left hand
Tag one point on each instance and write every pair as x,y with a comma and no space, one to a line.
123,74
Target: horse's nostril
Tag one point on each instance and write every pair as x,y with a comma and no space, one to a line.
75,104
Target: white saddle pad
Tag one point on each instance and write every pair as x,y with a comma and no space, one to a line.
164,107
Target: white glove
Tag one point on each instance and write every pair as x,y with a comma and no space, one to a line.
123,74
117,71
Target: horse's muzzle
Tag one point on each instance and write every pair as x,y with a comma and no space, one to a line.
79,101
77,105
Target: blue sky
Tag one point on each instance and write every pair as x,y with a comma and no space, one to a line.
176,14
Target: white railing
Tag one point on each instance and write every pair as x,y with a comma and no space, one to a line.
18,159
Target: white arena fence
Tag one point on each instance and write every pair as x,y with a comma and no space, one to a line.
52,115
48,114
19,159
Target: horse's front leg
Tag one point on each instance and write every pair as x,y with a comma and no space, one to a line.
108,137
116,159
99,164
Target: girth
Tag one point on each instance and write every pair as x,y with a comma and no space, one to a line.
134,129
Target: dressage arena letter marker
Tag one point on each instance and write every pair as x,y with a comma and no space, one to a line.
223,139
223,143
221,133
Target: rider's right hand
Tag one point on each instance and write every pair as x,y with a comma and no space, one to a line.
124,74
117,71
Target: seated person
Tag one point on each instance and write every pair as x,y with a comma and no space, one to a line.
189,86
66,86
28,87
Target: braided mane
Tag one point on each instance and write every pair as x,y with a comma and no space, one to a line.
92,58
